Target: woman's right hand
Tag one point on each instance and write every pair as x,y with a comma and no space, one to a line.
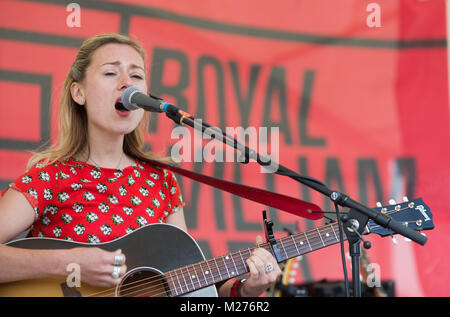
97,265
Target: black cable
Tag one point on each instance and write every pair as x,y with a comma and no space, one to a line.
341,238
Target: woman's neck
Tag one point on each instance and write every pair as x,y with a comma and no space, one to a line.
106,153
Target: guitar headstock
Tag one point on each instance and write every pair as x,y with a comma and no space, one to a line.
414,214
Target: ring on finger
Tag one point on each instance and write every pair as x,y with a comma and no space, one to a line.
118,259
268,267
116,272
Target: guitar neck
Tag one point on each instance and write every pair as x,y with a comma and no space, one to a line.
198,275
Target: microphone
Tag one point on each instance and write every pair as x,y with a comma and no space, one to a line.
133,98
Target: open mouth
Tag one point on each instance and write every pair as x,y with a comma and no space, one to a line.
119,106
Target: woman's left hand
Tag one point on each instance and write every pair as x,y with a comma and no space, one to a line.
264,271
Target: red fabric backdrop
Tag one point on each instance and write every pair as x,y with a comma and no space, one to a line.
364,109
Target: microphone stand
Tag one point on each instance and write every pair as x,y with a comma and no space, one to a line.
354,222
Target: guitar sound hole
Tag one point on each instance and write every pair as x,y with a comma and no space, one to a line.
143,282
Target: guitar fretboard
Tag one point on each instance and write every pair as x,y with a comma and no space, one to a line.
198,275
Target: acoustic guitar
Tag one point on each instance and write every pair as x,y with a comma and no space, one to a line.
165,261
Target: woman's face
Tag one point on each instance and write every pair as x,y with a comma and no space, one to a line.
113,68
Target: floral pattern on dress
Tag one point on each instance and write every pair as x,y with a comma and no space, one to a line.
78,202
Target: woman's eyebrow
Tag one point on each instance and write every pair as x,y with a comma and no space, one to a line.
117,63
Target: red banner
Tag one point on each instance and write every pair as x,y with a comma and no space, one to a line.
358,91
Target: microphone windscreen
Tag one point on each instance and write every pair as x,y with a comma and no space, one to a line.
127,95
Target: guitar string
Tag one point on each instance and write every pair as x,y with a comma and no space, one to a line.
218,263
188,285
176,289
287,246
188,268
152,288
314,237
314,242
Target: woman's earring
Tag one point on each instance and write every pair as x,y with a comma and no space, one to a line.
81,101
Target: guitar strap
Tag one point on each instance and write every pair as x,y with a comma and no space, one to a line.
278,201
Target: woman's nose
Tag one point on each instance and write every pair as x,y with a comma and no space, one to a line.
125,81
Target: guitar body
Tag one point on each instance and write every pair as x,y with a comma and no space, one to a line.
156,248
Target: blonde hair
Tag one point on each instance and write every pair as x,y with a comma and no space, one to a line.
72,118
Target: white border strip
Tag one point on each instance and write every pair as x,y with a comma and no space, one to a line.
447,4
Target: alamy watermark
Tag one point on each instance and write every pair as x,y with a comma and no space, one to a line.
262,142
374,275
74,277
74,18
374,18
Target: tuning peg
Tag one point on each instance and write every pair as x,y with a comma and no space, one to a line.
392,202
405,199
379,204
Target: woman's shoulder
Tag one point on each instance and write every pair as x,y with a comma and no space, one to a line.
42,175
51,166
49,170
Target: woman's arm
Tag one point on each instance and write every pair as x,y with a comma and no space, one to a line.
177,219
16,216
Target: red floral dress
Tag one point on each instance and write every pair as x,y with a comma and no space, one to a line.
80,202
